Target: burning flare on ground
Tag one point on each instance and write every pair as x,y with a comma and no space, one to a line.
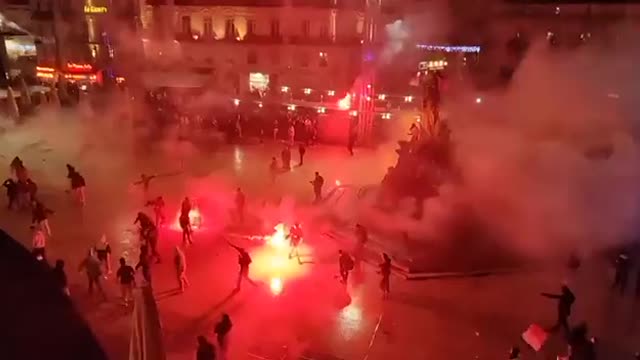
271,263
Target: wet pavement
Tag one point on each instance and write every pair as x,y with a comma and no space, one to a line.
315,317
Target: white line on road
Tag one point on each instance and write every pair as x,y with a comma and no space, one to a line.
373,336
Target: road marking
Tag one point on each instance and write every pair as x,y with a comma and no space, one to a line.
373,336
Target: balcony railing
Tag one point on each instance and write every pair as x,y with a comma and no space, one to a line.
267,39
339,4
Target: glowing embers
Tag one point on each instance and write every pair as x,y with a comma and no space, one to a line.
345,102
195,220
271,263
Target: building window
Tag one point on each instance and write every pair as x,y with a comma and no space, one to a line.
306,28
208,27
275,28
323,59
252,57
251,27
185,24
230,29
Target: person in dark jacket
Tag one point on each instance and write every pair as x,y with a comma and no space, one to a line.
222,329
565,302
622,273
93,268
317,182
346,264
580,346
60,277
206,350
301,151
144,264
12,192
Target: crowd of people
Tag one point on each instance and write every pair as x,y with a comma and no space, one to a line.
237,122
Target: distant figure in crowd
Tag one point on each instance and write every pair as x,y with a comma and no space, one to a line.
185,222
127,278
295,237
145,181
11,187
622,273
103,252
38,241
317,182
565,302
91,266
301,151
180,262
286,158
244,260
351,141
60,277
346,265
275,130
239,126
240,202
273,170
77,184
206,350
16,165
158,205
144,264
40,216
31,189
362,237
385,271
222,329
292,134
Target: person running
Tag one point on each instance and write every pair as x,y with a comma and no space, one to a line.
222,330
158,205
143,220
244,260
346,265
40,216
317,182
180,262
295,238
103,253
206,350
127,277
11,187
16,165
77,184
240,202
144,264
385,271
60,277
39,241
145,181
91,266
565,302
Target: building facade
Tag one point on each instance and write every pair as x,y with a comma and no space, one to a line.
88,36
310,46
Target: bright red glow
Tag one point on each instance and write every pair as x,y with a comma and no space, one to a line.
195,219
338,183
276,286
271,263
345,102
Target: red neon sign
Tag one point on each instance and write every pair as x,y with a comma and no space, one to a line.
79,67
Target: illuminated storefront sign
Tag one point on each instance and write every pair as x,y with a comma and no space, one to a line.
258,81
90,9
79,67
